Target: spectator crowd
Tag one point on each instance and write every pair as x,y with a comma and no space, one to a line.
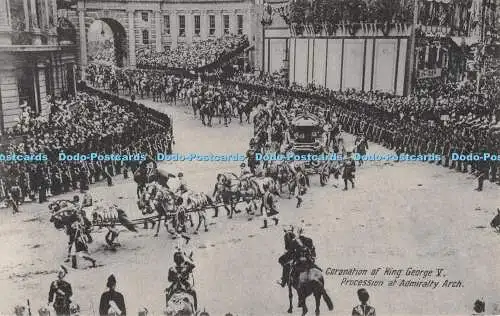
89,123
193,56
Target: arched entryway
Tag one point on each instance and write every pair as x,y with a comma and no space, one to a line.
107,42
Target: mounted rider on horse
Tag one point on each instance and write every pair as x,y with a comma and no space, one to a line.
300,255
179,275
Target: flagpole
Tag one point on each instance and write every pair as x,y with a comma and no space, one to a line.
411,68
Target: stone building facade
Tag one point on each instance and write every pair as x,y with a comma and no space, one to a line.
158,24
35,62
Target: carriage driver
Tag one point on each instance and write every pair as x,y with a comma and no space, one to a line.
179,276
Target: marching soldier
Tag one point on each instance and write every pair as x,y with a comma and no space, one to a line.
269,205
60,293
349,168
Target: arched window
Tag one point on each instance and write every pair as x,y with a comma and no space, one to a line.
145,37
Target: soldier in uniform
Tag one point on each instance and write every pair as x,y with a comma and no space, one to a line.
112,302
269,206
60,293
364,309
179,276
349,168
483,169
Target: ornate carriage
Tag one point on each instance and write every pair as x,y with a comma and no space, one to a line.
306,137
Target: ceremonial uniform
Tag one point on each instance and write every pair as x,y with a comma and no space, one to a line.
179,276
348,172
363,310
60,293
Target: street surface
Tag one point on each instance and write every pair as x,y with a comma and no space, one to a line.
400,215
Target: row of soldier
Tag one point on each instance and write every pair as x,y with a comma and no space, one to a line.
23,181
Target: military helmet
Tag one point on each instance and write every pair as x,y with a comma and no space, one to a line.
178,257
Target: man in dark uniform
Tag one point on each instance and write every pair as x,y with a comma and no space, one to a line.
112,302
60,293
349,168
294,248
364,309
179,276
483,169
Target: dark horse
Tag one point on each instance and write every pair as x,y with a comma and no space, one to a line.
495,222
305,277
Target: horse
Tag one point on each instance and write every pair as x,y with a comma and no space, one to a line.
326,169
180,304
226,191
495,222
160,200
207,110
305,277
196,202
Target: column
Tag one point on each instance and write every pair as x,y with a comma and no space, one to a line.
10,95
55,76
27,20
189,26
174,28
43,102
204,25
54,11
83,41
233,23
247,25
131,38
5,26
158,24
34,18
219,24
47,14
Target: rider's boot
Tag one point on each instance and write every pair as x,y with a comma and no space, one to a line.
276,221
265,224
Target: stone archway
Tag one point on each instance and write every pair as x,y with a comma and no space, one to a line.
120,49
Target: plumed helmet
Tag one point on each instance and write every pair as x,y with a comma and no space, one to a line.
178,257
111,281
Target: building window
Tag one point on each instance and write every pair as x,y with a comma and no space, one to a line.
182,25
226,24
145,37
211,24
240,24
145,16
197,25
166,24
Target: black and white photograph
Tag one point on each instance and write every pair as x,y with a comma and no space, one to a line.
249,157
